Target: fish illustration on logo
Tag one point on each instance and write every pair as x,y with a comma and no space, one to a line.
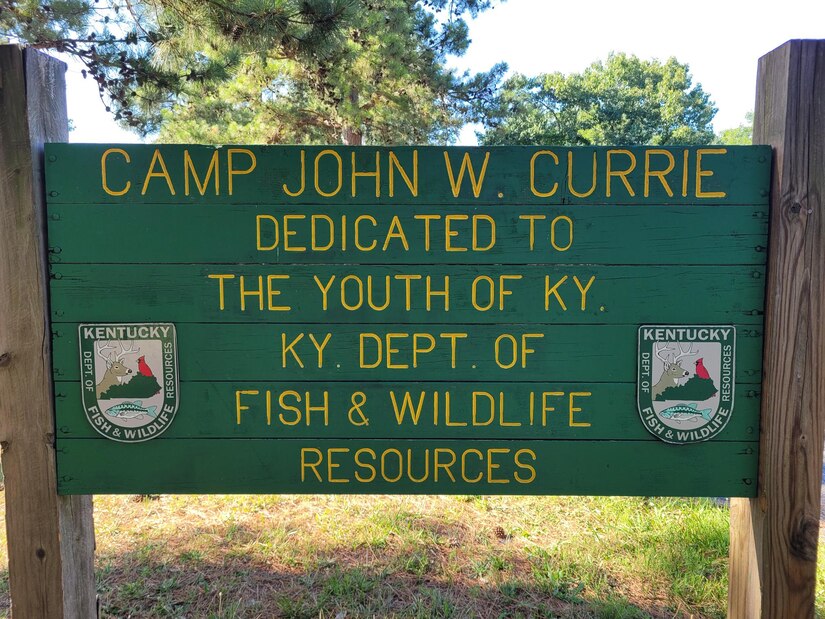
682,412
685,384
129,379
131,410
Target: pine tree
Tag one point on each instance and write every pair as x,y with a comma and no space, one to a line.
271,71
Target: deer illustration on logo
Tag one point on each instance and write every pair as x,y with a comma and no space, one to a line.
115,369
673,371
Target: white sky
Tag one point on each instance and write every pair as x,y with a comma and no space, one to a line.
721,40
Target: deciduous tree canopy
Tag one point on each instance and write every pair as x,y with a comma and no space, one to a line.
624,100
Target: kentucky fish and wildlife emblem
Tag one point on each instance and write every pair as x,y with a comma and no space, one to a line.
686,381
130,379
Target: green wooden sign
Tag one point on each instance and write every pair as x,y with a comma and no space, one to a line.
510,320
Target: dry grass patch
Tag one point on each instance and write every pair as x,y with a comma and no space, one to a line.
384,556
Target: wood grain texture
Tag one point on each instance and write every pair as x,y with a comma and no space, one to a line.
50,566
774,537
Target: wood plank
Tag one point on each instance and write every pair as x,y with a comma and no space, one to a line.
260,352
208,233
783,526
272,174
386,294
267,466
51,575
210,410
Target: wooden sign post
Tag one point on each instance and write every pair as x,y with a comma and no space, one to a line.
774,537
50,538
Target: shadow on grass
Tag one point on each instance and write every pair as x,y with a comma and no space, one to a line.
238,588
252,573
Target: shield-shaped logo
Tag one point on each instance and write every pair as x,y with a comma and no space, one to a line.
686,380
129,379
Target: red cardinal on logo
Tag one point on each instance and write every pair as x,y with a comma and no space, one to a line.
701,370
144,369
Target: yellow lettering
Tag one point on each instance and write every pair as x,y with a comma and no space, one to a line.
289,407
157,158
189,166
492,222
324,289
290,348
574,409
289,233
331,228
305,464
492,400
467,164
376,174
103,181
492,466
584,289
396,232
449,232
446,466
427,219
391,351
622,174
536,192
325,153
252,293
438,293
660,174
320,347
532,219
411,185
570,176
521,465
365,465
272,293
700,173
230,153
407,403
417,350
258,220
295,194
240,407
220,278
464,455
358,221
548,290
395,452
334,465
379,356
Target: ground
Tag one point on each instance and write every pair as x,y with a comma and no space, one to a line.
390,556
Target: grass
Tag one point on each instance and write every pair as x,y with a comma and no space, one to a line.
438,556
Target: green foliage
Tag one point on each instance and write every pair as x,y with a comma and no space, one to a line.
139,387
144,53
624,100
696,388
741,135
385,84
268,72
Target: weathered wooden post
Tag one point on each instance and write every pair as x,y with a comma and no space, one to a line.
774,537
50,538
